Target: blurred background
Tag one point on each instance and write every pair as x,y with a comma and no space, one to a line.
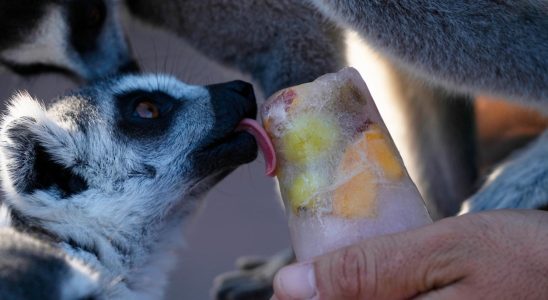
243,215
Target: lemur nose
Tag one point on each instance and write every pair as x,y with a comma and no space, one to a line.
241,87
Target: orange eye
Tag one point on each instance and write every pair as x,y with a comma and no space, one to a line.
147,110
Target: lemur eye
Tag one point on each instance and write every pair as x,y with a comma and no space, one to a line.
95,17
146,113
94,14
86,20
147,110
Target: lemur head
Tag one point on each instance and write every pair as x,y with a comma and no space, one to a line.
121,162
78,37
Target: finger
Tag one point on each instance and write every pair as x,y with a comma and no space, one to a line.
390,267
295,282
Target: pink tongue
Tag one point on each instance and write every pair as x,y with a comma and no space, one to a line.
252,127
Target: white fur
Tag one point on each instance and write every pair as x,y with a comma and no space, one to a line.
47,44
154,82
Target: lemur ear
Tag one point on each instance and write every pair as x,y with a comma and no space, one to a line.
28,139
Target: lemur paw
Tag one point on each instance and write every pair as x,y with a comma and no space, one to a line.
253,278
521,182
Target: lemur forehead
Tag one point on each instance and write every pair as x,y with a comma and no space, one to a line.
159,82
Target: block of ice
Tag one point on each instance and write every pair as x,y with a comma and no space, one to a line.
340,175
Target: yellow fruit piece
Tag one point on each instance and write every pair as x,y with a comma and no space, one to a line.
302,190
380,151
357,197
310,136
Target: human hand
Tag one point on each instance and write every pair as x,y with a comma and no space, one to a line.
493,255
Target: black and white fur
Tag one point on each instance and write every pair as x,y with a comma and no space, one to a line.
32,269
82,38
97,194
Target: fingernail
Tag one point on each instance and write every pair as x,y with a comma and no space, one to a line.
297,281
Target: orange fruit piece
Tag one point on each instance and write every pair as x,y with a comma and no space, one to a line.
380,151
356,198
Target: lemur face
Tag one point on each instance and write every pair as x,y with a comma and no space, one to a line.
78,37
115,163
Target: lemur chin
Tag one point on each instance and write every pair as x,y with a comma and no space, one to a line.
97,185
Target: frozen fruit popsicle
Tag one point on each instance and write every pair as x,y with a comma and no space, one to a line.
339,173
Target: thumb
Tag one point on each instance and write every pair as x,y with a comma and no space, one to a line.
395,266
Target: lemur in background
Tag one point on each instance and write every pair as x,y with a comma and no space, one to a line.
82,38
97,185
442,54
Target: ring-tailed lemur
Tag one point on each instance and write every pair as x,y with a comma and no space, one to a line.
97,185
441,53
77,37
